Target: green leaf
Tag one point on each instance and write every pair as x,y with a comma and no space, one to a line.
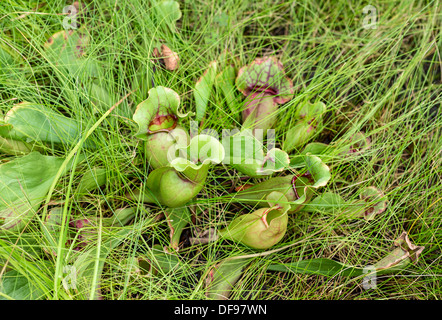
161,146
172,189
203,90
202,150
93,179
184,177
326,202
141,83
324,267
265,74
276,160
320,173
308,111
177,219
24,183
246,154
163,262
310,117
297,136
16,286
155,261
261,112
22,245
225,83
14,147
12,65
314,148
8,59
262,228
167,14
51,229
89,264
66,50
28,121
341,149
223,276
298,188
99,95
398,259
158,112
371,203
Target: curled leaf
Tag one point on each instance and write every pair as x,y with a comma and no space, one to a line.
276,160
314,148
157,120
298,188
265,75
375,200
202,150
158,113
184,177
173,189
265,86
262,228
405,253
339,149
245,153
161,145
310,117
223,276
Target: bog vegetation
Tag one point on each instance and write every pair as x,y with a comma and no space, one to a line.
224,150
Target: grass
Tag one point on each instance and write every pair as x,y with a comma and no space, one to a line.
384,81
